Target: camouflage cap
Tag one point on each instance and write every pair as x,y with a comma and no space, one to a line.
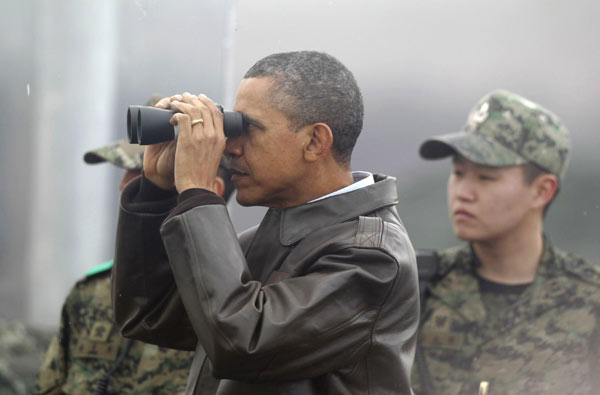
120,153
505,129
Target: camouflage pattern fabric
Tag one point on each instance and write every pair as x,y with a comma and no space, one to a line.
505,129
121,154
88,344
21,351
547,342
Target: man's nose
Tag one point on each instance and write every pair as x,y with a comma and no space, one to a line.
233,147
465,190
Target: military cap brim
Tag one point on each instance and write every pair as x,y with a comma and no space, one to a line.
120,153
474,147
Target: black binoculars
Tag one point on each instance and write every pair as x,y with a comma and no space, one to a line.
150,125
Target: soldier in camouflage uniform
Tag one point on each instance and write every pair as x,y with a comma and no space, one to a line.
21,350
508,311
89,355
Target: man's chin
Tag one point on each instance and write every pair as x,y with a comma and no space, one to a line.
465,234
463,238
246,201
472,237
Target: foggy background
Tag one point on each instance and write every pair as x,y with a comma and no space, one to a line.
70,68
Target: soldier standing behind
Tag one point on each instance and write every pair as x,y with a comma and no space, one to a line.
89,355
21,350
509,309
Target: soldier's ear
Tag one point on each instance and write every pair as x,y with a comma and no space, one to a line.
219,186
544,187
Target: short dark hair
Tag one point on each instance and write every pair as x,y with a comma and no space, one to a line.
311,87
531,172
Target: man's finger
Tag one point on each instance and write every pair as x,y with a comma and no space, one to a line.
216,115
192,107
182,120
165,102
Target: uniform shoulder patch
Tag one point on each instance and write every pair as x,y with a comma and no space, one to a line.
369,232
104,267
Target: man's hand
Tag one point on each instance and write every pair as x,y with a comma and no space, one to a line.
199,146
159,159
193,160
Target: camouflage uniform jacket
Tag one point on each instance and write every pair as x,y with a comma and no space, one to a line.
21,350
545,343
88,343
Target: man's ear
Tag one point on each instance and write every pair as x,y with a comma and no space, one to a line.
545,188
219,186
320,141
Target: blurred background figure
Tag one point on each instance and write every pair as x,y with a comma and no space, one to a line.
21,350
88,355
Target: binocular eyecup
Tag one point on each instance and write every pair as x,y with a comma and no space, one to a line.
150,125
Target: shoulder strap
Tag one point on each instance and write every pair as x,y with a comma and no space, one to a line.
104,383
427,266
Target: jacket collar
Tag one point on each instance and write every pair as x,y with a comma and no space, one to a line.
298,222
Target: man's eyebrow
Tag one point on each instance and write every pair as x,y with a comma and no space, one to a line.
254,122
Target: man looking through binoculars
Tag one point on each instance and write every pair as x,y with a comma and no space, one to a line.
321,297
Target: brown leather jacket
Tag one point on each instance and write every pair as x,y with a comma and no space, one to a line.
318,299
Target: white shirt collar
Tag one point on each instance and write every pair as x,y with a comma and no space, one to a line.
361,179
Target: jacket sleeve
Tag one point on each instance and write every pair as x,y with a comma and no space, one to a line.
145,299
297,328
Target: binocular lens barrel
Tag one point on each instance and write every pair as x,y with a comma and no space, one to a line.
132,128
150,125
